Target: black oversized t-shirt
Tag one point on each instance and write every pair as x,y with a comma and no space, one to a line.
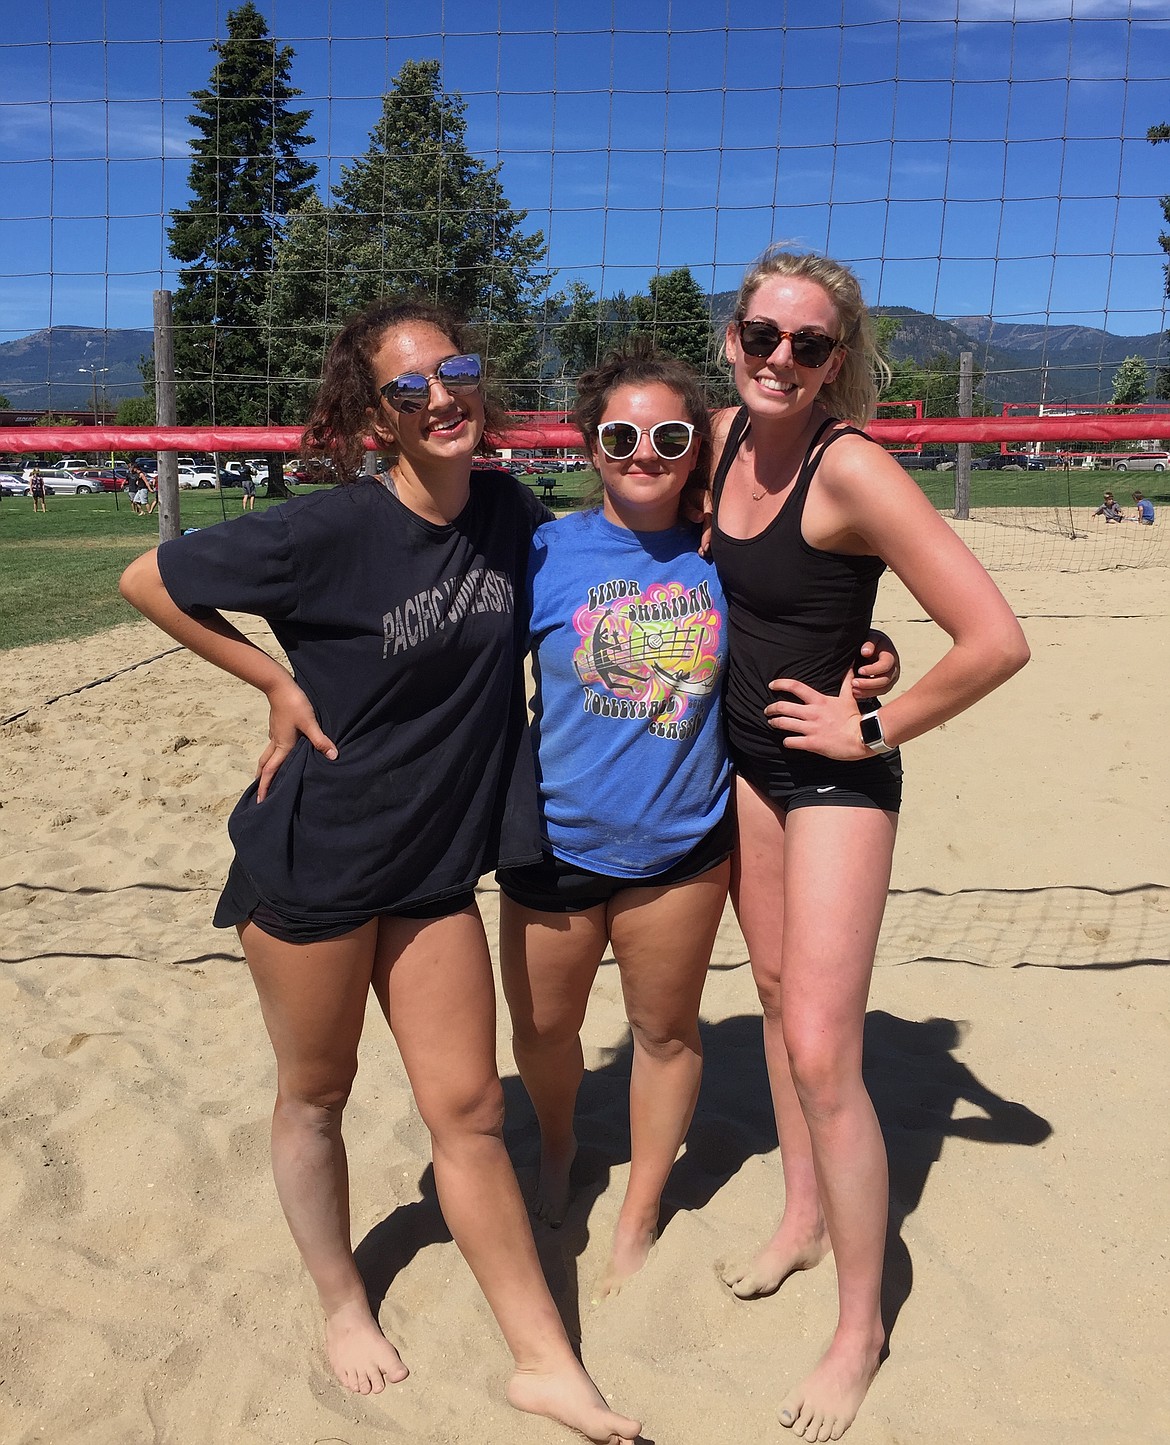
404,635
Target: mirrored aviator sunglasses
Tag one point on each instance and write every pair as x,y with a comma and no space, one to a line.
411,391
670,439
809,348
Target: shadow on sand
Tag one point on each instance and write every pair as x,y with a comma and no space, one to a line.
913,1076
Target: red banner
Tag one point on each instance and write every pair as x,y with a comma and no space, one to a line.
1094,427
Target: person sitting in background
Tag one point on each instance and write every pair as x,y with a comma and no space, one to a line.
1145,510
1109,509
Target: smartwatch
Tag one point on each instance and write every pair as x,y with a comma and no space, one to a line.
872,735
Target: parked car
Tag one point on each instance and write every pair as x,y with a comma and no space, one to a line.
1143,462
105,479
147,464
1000,461
13,486
924,461
314,471
73,464
61,483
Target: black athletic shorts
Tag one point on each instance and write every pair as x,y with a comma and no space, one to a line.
239,903
554,886
808,780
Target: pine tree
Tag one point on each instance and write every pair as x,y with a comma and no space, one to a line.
246,175
678,317
417,213
591,326
304,313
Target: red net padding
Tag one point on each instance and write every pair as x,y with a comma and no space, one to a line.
560,434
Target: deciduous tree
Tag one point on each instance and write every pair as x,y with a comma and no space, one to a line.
1131,382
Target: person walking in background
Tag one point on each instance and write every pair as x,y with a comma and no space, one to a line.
36,490
808,513
248,486
359,845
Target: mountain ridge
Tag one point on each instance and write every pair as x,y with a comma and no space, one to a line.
61,367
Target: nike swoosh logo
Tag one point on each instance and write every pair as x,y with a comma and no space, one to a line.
832,788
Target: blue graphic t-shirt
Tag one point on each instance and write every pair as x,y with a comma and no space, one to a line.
629,648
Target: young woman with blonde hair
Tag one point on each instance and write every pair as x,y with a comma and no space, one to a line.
808,513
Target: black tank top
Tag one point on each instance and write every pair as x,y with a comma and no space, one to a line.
793,610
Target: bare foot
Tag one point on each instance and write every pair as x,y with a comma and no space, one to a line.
570,1396
630,1251
552,1185
363,1359
823,1406
783,1255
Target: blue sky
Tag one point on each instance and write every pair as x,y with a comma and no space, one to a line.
970,158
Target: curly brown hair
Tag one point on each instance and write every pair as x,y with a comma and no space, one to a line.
345,411
639,362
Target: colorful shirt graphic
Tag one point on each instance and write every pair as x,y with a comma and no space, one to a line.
629,643
649,653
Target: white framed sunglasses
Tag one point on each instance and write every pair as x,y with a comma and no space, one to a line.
670,439
411,391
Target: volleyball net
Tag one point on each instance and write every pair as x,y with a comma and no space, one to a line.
992,171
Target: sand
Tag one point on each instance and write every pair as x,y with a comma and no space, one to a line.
1018,1050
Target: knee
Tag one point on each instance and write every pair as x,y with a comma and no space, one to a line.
768,988
664,1040
454,1115
823,1072
550,1032
316,1099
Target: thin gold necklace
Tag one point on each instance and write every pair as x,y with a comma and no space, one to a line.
766,491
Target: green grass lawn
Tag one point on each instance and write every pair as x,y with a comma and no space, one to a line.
1072,487
59,571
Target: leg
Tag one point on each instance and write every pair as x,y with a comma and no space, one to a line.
548,962
662,939
758,893
837,872
434,981
313,998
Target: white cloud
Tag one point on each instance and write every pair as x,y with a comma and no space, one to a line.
84,130
973,10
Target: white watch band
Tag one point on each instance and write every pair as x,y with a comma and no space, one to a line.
879,744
